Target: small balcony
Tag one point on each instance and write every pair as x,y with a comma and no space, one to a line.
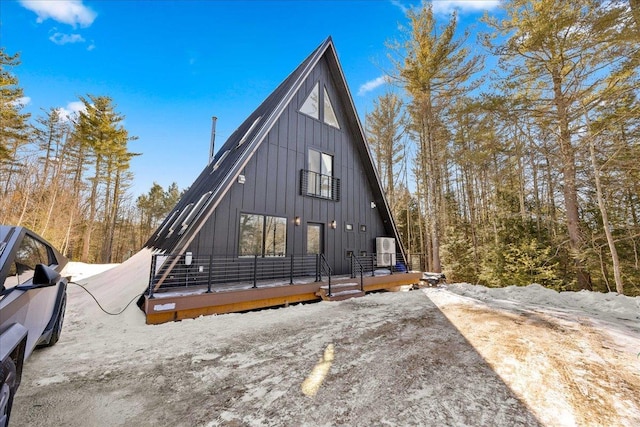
314,184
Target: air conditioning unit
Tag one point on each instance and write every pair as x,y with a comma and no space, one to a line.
385,251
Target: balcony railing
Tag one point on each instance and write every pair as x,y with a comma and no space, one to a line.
314,184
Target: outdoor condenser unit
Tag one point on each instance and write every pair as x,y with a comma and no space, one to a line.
385,251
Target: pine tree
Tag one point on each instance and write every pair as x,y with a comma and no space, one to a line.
385,130
435,68
14,125
99,129
556,54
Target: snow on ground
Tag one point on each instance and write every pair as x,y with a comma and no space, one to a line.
448,356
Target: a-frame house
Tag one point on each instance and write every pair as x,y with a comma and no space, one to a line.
296,179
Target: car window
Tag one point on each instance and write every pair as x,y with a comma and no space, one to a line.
30,253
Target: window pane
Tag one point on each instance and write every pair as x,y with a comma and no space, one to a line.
310,106
314,161
251,228
327,173
29,254
313,184
327,164
275,239
329,115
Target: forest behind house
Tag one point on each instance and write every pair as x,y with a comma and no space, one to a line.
510,159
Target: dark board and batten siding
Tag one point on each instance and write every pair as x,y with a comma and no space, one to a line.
272,184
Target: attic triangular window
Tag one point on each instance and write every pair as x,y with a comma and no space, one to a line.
329,116
311,104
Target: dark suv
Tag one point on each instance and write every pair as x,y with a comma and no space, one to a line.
33,296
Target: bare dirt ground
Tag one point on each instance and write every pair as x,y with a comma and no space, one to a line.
426,358
567,366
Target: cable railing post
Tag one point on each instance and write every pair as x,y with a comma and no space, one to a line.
152,273
325,263
291,270
355,261
318,272
353,273
373,265
209,274
255,271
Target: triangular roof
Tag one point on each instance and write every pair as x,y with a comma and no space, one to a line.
201,199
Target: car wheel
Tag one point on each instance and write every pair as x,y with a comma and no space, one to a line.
57,330
8,377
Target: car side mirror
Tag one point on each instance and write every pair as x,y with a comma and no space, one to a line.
44,276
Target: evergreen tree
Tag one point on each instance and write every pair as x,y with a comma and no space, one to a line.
435,67
99,128
385,130
557,54
14,125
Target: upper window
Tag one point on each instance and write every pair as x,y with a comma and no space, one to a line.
320,178
311,106
262,235
329,116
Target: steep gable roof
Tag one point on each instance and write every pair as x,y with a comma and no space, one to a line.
201,199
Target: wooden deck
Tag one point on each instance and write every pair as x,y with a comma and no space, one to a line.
191,303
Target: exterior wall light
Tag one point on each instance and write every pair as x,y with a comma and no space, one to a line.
334,224
373,205
296,221
188,258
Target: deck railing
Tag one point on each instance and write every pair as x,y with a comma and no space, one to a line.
370,264
324,267
176,271
357,267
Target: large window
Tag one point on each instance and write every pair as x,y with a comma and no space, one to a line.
262,235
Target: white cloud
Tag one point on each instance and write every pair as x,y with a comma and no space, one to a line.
71,110
60,38
21,102
371,85
448,6
400,6
71,12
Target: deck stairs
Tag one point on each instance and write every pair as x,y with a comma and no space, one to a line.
340,291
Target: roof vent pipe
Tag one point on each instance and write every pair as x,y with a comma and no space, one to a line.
212,150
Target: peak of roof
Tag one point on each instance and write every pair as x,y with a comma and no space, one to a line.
205,193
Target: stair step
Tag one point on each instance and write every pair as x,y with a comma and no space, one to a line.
341,286
342,295
340,291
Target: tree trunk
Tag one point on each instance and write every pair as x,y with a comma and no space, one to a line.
605,217
86,236
567,154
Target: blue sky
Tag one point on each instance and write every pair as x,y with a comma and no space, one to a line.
171,65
